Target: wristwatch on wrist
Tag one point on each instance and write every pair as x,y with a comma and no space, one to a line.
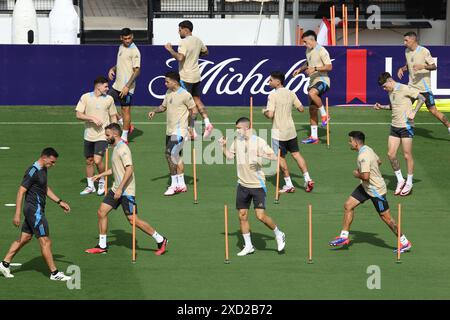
59,201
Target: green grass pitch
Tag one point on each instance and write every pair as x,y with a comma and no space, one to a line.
194,266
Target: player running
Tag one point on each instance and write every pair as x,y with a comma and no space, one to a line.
189,51
419,64
249,149
372,188
122,193
126,70
179,105
97,110
317,66
284,135
34,187
402,130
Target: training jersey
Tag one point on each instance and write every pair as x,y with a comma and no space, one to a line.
101,107
35,181
120,159
318,57
280,102
249,162
127,59
400,99
420,79
177,104
190,47
368,162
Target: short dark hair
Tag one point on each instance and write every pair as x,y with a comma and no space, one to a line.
309,33
186,24
173,75
49,152
114,127
243,120
278,75
357,135
383,78
126,32
411,34
100,79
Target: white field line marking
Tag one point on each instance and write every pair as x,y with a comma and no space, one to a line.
10,204
5,148
219,123
15,264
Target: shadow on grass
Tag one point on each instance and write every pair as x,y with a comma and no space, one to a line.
422,132
392,181
136,133
123,238
365,237
189,180
38,264
259,241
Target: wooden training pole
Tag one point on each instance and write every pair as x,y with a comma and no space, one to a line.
346,25
357,27
277,192
310,259
343,25
225,209
106,169
133,255
328,123
333,25
194,169
399,230
251,112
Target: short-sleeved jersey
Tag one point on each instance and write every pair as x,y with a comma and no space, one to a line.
248,154
318,57
368,162
190,47
101,107
127,59
35,181
120,159
280,102
401,104
177,104
420,79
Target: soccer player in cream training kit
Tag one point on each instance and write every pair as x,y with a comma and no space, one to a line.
126,70
179,106
122,193
284,136
317,66
402,130
97,110
249,149
189,51
35,189
419,64
372,188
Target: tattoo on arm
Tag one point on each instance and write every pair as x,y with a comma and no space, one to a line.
395,164
420,102
133,77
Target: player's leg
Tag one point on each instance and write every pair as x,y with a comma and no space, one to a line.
15,247
115,95
440,116
315,103
178,151
243,199
126,115
128,202
280,145
106,206
100,149
202,110
292,147
393,145
89,150
407,146
171,142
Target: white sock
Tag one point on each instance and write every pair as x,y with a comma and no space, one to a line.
409,179
277,232
120,121
306,177
322,111
102,241
125,135
314,132
448,129
288,181
181,182
174,181
344,234
101,180
399,175
90,183
207,121
403,240
158,238
247,240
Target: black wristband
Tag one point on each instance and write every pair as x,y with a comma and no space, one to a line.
59,201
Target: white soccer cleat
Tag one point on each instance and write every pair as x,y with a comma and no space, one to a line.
101,188
87,190
400,186
246,251
287,189
281,242
180,189
5,271
60,276
170,191
406,190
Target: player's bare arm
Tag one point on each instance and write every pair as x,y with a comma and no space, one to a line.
112,73
378,106
103,174
420,101
152,113
64,205
83,117
19,201
126,88
429,67
223,142
300,70
401,71
204,53
126,177
269,156
177,56
268,114
364,176
114,118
